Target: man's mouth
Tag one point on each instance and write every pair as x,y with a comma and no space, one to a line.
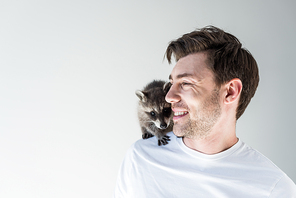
179,114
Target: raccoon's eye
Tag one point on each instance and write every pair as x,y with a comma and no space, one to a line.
152,113
167,112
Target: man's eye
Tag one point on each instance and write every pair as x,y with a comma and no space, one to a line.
184,84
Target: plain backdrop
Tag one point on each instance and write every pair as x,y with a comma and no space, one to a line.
69,71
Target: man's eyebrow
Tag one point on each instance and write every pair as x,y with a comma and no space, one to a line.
181,76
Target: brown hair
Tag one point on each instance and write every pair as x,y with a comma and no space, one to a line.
226,58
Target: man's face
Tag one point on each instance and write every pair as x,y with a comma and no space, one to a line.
194,97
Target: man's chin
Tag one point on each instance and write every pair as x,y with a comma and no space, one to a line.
178,131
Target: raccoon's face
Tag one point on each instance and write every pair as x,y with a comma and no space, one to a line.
152,105
160,116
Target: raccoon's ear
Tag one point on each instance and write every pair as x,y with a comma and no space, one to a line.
141,95
167,86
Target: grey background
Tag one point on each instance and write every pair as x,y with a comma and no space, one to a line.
69,70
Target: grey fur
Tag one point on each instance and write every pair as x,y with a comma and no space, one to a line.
154,113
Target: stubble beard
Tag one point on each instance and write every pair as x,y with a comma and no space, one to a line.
199,126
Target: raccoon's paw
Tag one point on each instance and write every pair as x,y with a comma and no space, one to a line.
147,135
165,140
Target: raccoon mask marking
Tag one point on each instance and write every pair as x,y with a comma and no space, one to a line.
154,113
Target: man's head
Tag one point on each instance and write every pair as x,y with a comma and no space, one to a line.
225,58
194,97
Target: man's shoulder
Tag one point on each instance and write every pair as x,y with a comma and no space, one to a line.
151,145
152,142
259,162
257,156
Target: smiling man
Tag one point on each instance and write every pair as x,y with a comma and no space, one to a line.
212,83
198,101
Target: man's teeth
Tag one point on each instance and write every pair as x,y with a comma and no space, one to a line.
179,113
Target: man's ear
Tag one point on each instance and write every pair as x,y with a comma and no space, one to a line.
233,88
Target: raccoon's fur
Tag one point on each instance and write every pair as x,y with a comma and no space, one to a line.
154,113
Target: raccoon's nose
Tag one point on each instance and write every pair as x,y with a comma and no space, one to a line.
163,126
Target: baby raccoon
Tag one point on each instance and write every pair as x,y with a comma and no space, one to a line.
154,113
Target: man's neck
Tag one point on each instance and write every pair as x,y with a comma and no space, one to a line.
211,144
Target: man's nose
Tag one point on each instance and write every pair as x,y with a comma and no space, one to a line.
172,96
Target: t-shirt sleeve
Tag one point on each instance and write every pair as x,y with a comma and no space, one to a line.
285,187
123,181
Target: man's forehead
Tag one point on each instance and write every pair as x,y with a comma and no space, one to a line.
193,66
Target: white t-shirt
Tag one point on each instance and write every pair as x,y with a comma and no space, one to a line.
174,170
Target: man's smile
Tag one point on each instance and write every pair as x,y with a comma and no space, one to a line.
179,114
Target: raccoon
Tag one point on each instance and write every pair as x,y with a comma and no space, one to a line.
154,113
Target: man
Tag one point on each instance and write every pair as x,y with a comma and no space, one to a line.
213,81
